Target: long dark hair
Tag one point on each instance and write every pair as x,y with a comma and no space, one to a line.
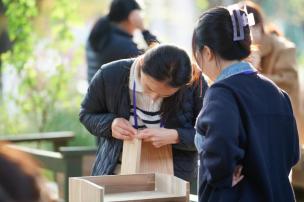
172,65
119,11
214,29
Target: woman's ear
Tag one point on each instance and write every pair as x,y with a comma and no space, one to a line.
207,53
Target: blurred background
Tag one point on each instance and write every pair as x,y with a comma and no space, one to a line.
43,66
44,69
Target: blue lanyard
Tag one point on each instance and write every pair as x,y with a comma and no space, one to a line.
134,106
135,109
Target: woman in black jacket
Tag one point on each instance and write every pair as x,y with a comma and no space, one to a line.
168,97
111,36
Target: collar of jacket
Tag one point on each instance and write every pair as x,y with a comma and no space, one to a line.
134,76
234,69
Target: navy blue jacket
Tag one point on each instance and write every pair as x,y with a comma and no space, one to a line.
119,46
247,120
108,98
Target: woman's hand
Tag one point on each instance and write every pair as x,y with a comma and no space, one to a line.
159,136
122,129
237,175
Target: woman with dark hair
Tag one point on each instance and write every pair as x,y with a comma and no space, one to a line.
111,36
167,98
246,132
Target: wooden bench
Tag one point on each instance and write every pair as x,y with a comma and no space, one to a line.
58,139
67,162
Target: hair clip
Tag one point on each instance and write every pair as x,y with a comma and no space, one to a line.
239,21
250,17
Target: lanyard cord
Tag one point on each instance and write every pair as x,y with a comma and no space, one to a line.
135,110
134,106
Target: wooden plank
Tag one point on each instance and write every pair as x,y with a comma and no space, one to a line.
143,157
144,196
156,160
81,190
38,136
124,183
37,152
131,156
58,139
48,159
178,191
173,185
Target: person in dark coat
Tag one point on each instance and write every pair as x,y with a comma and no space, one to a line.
246,137
168,96
112,36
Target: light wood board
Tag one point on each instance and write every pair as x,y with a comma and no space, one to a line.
143,157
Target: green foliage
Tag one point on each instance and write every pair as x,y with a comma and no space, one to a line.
202,4
40,91
19,15
10,124
66,119
63,13
43,71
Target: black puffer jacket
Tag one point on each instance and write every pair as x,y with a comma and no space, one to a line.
108,98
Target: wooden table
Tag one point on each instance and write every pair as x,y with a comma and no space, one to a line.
59,139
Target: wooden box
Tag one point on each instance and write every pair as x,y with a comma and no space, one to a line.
142,157
136,187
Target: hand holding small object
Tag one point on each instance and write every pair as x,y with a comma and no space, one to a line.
122,129
159,136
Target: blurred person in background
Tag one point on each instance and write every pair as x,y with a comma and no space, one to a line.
112,36
20,177
276,59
